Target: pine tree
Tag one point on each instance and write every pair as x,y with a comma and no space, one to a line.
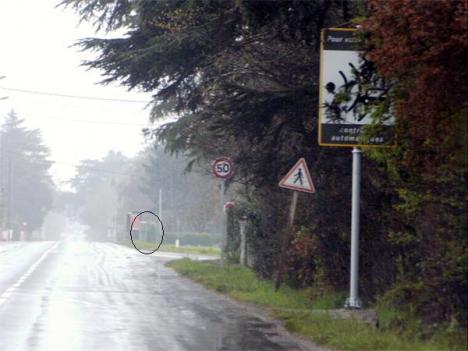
26,183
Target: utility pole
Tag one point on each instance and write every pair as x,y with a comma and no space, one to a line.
7,187
9,199
2,186
3,198
160,204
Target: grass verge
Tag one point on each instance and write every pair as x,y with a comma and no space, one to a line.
201,250
296,309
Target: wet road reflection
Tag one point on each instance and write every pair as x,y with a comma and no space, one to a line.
78,295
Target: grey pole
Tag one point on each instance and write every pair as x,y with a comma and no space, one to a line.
292,209
223,224
160,204
353,301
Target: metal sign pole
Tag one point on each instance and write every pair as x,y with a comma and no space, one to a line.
222,168
353,301
298,179
223,224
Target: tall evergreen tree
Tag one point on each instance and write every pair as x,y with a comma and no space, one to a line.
27,186
242,78
241,85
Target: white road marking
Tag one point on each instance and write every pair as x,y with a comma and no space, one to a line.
12,288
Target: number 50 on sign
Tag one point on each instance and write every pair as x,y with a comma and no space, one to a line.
222,168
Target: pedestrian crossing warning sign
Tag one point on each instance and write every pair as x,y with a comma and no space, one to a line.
298,178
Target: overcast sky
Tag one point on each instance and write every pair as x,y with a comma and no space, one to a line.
35,55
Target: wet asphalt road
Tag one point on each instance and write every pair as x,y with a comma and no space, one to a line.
74,295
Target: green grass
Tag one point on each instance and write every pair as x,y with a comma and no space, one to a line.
300,314
328,300
242,284
201,250
351,335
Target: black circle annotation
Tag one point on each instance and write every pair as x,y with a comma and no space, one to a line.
162,230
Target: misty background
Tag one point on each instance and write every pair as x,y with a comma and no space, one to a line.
102,192
73,154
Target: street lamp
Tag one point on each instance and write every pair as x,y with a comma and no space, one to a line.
3,97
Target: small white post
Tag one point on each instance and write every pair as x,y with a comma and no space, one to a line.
243,242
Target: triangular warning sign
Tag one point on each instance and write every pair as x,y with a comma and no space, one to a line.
298,178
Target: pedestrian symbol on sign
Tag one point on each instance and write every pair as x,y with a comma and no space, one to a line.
298,176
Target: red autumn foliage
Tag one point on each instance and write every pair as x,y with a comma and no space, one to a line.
301,259
423,45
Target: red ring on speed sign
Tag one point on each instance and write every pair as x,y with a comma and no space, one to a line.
222,168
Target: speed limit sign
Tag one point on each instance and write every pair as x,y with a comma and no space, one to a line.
222,168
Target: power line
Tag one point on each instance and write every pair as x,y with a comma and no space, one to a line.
36,92
84,120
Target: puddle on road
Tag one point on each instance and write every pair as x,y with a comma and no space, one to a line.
251,333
